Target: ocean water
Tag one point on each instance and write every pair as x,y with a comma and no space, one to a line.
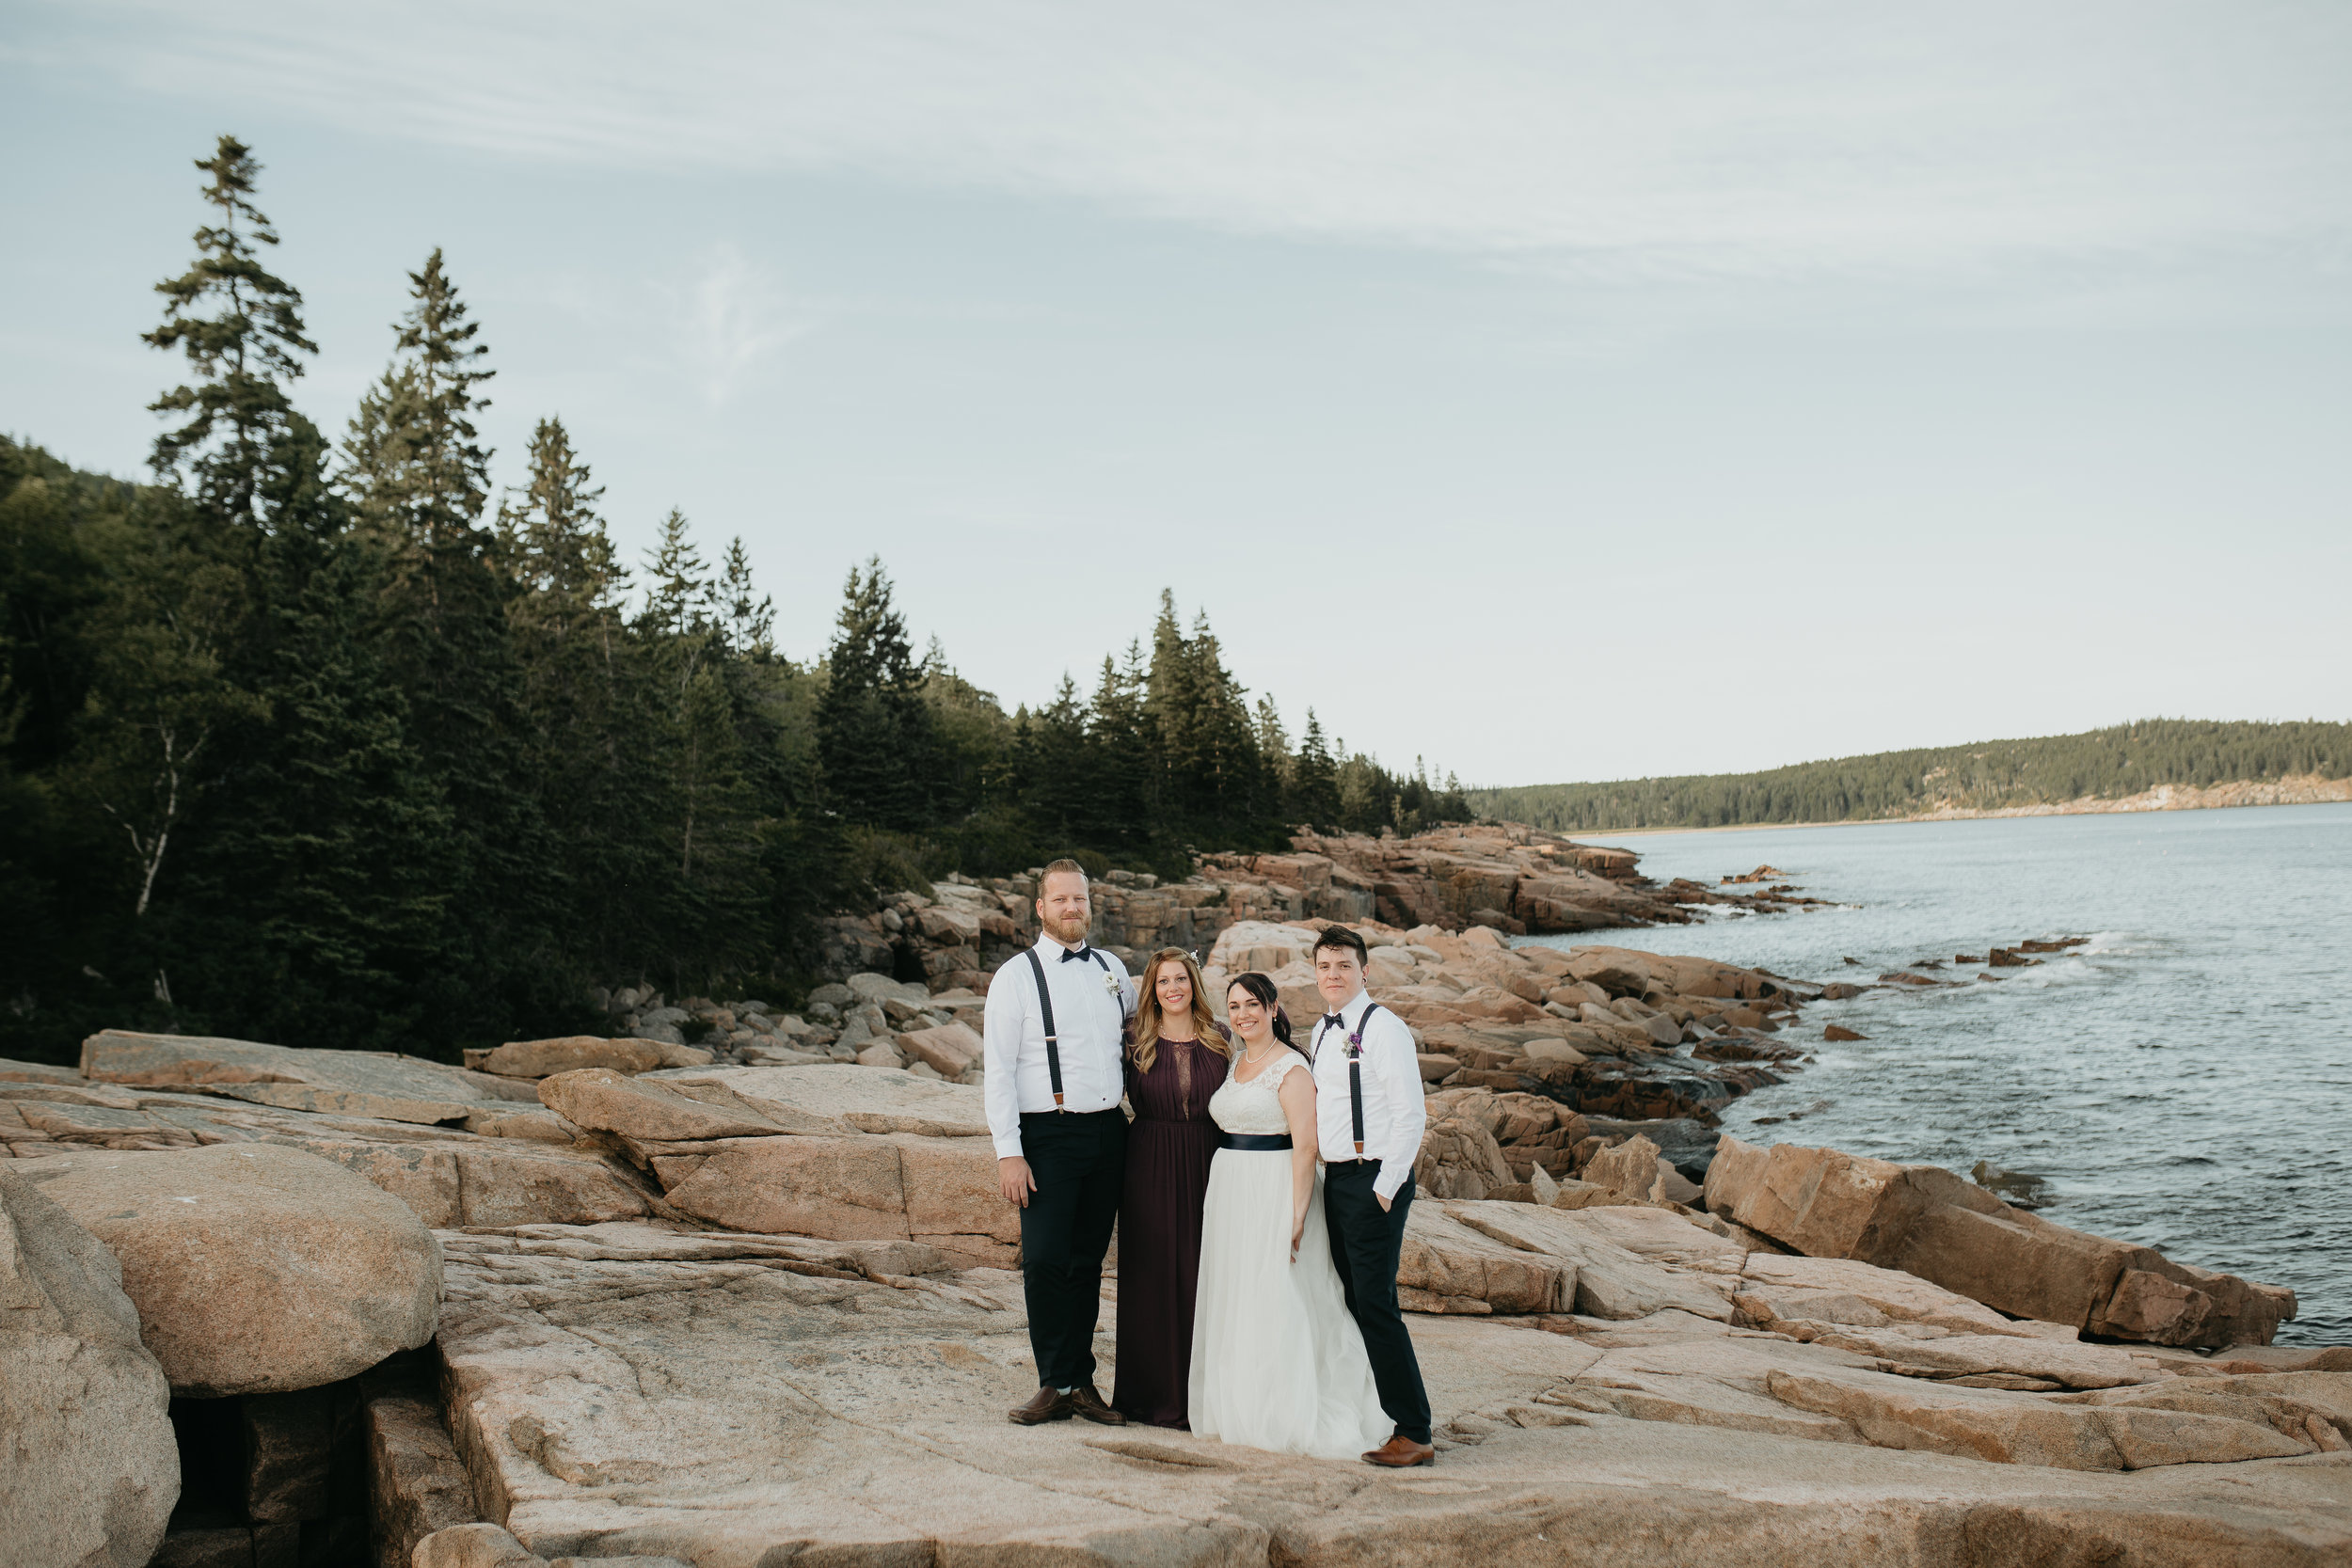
2184,1081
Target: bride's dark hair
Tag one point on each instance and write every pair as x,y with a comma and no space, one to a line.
1262,988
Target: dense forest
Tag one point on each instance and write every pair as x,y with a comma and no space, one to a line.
335,743
2107,763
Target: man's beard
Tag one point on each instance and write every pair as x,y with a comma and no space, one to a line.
1068,931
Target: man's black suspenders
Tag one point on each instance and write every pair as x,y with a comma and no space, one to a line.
1052,1047
1356,1074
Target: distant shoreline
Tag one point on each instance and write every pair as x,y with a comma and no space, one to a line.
2306,790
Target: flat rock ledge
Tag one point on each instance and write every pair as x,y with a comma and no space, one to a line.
631,1389
756,1315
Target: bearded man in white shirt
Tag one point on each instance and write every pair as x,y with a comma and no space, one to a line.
1369,1119
1054,1034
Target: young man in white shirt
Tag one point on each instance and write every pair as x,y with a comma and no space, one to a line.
1369,1119
1053,1037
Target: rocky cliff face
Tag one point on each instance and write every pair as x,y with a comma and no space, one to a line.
1505,878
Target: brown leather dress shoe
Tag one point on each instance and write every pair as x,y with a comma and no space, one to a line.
1051,1405
1087,1402
1401,1452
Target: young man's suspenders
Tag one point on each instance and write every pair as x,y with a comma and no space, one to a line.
1356,1074
1053,1048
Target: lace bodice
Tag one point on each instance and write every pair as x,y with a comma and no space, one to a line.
1254,1106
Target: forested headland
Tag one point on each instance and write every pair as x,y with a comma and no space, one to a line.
331,742
1991,775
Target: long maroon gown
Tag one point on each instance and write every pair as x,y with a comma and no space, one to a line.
1168,1149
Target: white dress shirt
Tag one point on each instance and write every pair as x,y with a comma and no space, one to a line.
1091,1005
1394,1116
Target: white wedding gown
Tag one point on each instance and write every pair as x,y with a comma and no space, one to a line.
1277,1362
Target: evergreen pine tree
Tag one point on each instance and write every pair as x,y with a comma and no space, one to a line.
1225,774
1058,792
1171,704
1119,778
1315,797
874,732
749,625
172,680
587,693
970,736
1363,793
417,479
414,461
314,908
244,352
710,800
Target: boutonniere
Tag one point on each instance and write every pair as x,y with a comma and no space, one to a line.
1110,982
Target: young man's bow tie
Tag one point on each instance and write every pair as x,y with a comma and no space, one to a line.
1079,952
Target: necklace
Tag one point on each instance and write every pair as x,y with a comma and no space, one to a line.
1252,1058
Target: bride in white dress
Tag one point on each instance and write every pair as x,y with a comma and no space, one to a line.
1277,1361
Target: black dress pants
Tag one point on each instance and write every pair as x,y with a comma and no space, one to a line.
1080,1165
1365,1244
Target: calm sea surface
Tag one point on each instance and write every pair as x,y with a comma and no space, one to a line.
2184,1081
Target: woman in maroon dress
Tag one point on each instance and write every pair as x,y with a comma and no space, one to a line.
1176,1060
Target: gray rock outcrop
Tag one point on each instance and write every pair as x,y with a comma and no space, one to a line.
89,1469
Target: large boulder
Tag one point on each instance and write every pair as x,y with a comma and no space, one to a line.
1926,1221
868,1098
89,1469
1611,1279
568,1053
1460,1158
174,1061
1618,971
950,1049
648,1111
1260,944
255,1268
487,1181
897,1187
1783,1287
1446,1266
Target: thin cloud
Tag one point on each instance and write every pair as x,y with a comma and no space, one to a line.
732,320
1696,140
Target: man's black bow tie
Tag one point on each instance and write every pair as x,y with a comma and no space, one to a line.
1334,1021
1079,952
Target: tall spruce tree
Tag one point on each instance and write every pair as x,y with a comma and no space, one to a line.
172,694
687,643
874,732
1226,774
417,479
1315,797
239,327
1057,787
1119,734
314,907
586,686
750,623
414,462
971,738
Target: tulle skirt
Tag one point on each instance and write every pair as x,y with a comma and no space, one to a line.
1277,1362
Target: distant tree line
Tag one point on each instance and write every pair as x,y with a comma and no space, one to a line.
333,744
2107,763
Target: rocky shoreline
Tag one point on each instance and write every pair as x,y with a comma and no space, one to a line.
749,1298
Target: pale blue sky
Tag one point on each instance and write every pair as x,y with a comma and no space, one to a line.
1559,391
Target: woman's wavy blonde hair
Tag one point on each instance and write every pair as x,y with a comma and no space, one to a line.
1205,1027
